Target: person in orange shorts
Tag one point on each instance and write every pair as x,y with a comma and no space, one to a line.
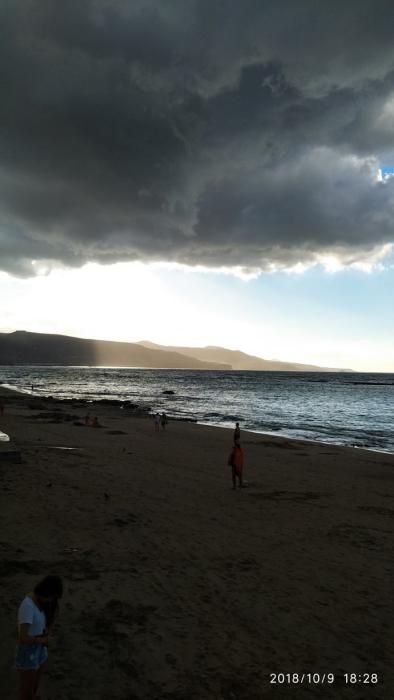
236,462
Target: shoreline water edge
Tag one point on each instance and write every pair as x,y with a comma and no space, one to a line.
354,410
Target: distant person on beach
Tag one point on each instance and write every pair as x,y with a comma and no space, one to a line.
236,462
1,408
157,422
237,433
36,616
95,423
163,421
87,419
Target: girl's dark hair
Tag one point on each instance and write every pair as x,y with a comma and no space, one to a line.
50,587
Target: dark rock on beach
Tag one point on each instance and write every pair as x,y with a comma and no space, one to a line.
9,453
182,419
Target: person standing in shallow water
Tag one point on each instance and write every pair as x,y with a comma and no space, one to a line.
163,421
236,462
36,616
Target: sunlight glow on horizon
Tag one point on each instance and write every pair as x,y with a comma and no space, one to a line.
176,305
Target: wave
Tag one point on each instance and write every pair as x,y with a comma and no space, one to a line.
372,383
18,389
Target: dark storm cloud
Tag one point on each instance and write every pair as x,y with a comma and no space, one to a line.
240,134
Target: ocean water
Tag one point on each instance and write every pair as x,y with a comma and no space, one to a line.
354,409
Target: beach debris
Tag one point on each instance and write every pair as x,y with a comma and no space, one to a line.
70,550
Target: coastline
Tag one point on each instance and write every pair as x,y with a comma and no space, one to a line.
178,587
141,409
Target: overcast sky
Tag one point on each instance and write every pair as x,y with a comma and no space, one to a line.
245,135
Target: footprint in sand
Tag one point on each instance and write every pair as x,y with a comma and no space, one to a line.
297,496
378,511
357,535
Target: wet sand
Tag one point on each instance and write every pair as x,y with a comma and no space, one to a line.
178,587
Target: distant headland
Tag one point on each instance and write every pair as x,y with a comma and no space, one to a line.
25,348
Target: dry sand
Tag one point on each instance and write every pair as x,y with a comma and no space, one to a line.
177,587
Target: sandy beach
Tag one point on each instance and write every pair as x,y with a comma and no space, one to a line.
178,587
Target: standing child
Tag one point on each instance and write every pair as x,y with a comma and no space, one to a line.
35,618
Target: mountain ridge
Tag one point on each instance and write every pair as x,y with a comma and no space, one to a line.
25,347
240,360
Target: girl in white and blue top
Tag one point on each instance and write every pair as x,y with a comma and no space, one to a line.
35,617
